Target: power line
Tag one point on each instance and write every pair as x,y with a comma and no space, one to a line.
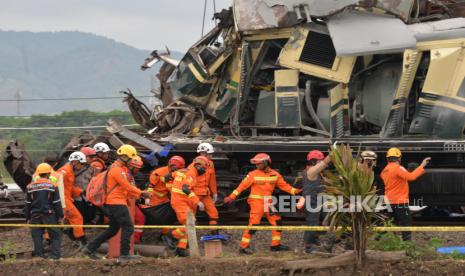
59,128
59,116
70,99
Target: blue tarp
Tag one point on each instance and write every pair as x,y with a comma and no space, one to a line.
451,249
215,237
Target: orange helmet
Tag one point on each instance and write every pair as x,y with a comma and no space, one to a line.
260,158
315,154
88,151
202,161
177,161
136,162
43,168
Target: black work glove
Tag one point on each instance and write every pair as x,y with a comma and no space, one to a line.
186,189
168,177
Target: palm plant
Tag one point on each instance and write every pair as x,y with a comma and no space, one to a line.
352,180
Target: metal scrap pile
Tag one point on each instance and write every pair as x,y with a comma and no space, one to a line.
218,85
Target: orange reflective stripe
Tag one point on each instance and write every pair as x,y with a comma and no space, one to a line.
245,240
159,194
266,178
293,191
276,238
256,196
179,232
192,194
235,192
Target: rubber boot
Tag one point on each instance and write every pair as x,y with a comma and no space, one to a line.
279,248
246,251
181,252
169,240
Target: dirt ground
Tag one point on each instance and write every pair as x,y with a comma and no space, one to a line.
219,266
230,263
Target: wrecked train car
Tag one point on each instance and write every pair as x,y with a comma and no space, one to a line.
285,77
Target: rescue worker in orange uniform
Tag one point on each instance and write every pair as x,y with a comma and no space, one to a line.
183,200
77,160
119,190
396,189
159,211
205,186
139,219
102,152
89,153
81,179
262,182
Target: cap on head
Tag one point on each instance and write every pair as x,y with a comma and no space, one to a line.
260,158
205,147
202,161
394,152
101,147
88,151
177,161
136,162
315,154
128,150
43,168
77,156
369,155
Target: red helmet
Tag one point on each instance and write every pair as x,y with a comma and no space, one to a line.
136,162
177,161
88,151
315,154
260,158
202,161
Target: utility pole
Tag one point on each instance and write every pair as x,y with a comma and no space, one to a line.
18,102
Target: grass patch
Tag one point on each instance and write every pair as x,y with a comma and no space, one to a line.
392,242
5,252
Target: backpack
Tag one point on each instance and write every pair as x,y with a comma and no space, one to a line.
96,191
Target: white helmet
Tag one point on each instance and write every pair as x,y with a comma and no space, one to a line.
205,147
368,154
77,156
101,147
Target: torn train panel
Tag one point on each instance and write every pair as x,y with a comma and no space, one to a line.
360,33
252,15
18,163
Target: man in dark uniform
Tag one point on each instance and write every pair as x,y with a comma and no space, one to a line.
43,206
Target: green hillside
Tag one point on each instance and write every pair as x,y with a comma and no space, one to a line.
67,64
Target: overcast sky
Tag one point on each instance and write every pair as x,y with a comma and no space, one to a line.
145,24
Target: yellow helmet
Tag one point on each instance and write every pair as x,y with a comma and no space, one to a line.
394,152
127,150
43,168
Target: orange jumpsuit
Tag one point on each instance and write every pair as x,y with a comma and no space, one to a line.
262,185
119,182
158,186
396,178
114,242
72,214
183,203
204,188
98,164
